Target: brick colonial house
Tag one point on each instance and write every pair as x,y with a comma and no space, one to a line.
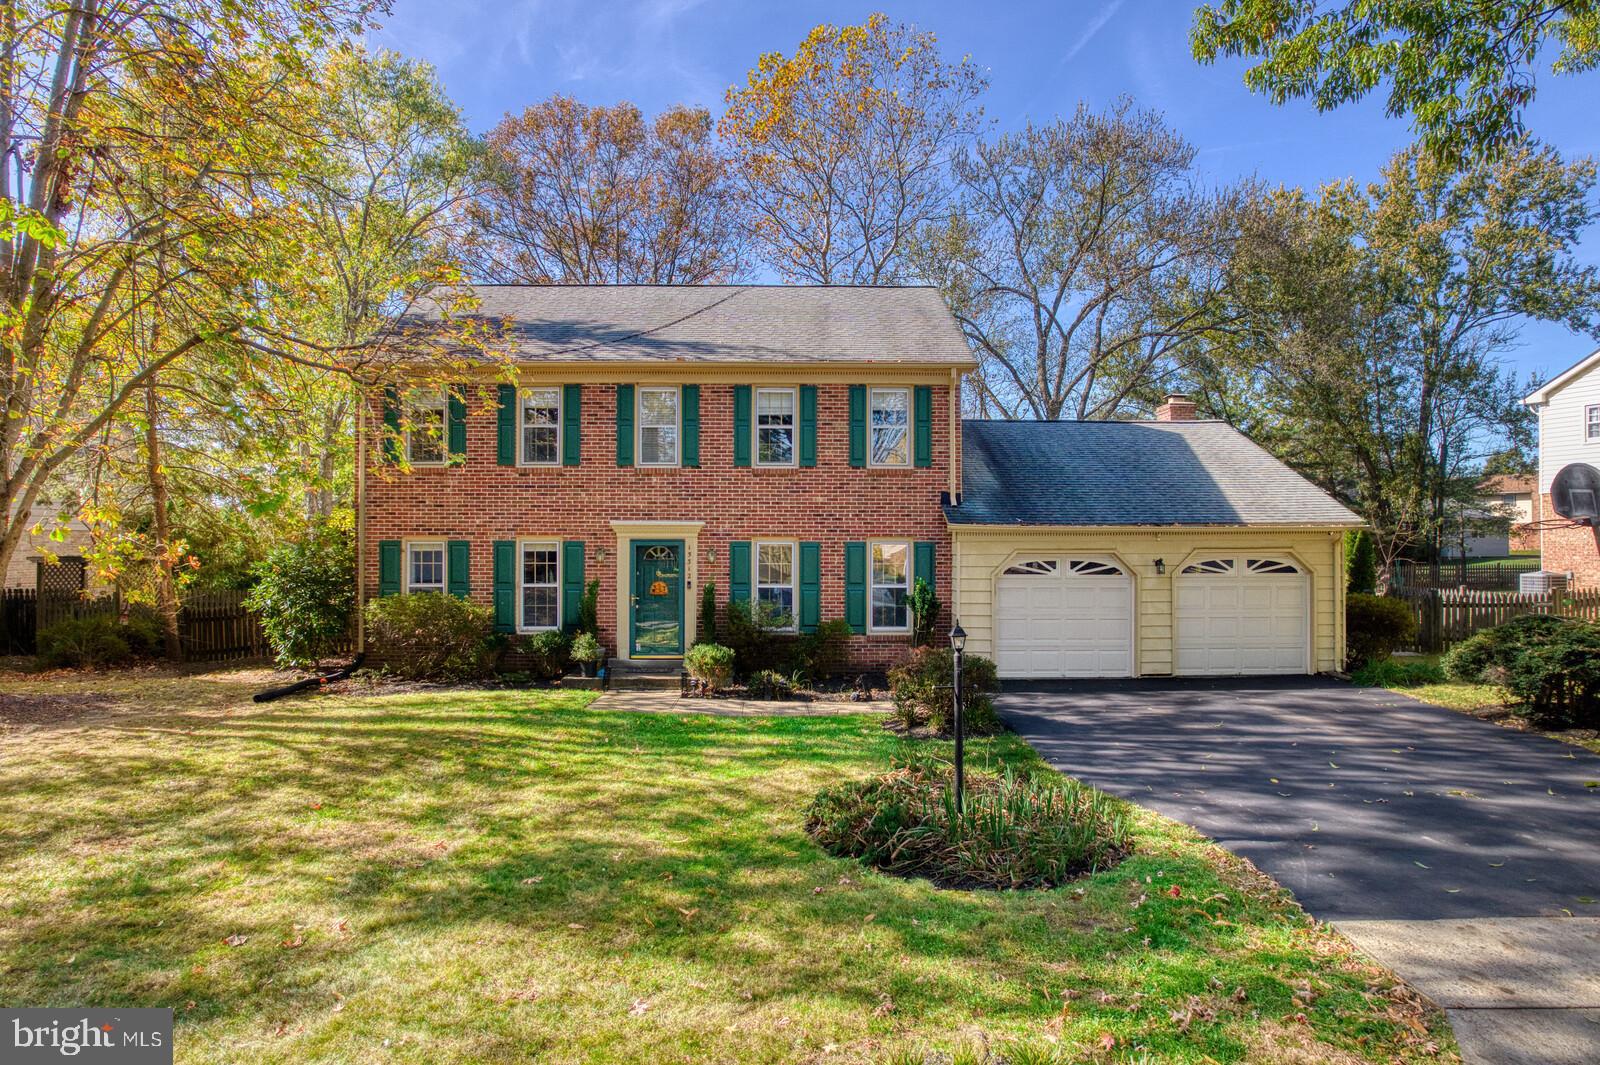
1568,407
803,447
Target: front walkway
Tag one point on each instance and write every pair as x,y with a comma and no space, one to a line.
1463,855
670,702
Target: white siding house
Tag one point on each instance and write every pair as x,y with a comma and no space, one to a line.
1568,408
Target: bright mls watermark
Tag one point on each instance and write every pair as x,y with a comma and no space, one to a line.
123,1036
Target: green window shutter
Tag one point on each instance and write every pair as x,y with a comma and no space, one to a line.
922,409
858,425
388,567
505,586
741,425
808,425
922,561
458,570
810,586
571,420
855,585
739,571
391,426
506,427
571,582
624,425
457,417
691,425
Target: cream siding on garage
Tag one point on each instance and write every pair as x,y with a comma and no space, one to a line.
982,552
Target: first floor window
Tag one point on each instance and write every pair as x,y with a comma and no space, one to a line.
425,417
541,585
891,580
775,584
775,426
891,423
658,426
1591,422
541,426
425,567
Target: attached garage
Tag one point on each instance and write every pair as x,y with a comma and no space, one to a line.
1118,549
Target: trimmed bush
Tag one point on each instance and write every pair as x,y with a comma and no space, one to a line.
432,636
707,633
770,684
756,641
305,593
827,651
924,607
1360,563
589,609
1376,626
586,648
1015,832
922,694
1393,673
1550,665
711,664
91,642
549,653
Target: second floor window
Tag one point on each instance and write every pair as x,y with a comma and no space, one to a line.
425,567
1591,423
541,426
891,425
425,411
658,426
775,426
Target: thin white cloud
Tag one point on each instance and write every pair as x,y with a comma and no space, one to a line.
1095,25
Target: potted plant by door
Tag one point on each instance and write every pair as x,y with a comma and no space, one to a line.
587,652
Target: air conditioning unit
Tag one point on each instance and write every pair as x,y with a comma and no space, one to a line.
1542,582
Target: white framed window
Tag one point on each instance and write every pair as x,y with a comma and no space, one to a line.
539,590
889,585
425,566
889,426
775,582
540,417
425,426
658,426
775,421
1591,424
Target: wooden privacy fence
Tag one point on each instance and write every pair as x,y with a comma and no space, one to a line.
213,626
1445,617
1500,574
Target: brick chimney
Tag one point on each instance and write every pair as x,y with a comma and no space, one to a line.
1177,408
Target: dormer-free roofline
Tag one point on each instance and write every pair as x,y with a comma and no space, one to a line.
1542,394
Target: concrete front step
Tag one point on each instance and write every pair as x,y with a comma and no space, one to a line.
652,675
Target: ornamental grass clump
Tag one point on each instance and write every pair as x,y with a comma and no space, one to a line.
1014,832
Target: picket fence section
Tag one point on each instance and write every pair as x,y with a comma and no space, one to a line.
213,626
1447,616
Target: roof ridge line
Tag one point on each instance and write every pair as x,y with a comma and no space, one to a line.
636,334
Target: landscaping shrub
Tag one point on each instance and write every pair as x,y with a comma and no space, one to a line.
305,592
1376,626
770,684
924,607
922,694
707,632
1360,563
1550,665
757,644
1394,673
827,651
1015,832
94,642
549,653
711,664
432,636
586,649
589,609
146,636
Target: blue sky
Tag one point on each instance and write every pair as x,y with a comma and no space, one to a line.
1043,57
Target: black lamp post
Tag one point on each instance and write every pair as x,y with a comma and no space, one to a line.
958,644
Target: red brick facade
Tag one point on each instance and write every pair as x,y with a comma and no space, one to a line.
831,503
1567,548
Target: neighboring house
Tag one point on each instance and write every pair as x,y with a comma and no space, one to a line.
802,447
1568,407
1510,497
40,547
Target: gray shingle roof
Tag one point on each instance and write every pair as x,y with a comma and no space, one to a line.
725,323
1130,473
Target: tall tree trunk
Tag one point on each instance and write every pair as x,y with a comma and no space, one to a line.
166,586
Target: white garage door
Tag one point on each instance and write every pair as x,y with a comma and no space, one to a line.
1064,617
1241,616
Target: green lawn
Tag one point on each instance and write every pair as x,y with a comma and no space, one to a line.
506,876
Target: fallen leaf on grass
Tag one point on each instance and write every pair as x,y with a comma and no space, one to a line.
639,1007
293,942
533,880
236,940
575,924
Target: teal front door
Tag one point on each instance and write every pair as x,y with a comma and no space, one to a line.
657,599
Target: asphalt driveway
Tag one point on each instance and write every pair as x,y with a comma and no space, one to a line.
1464,855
